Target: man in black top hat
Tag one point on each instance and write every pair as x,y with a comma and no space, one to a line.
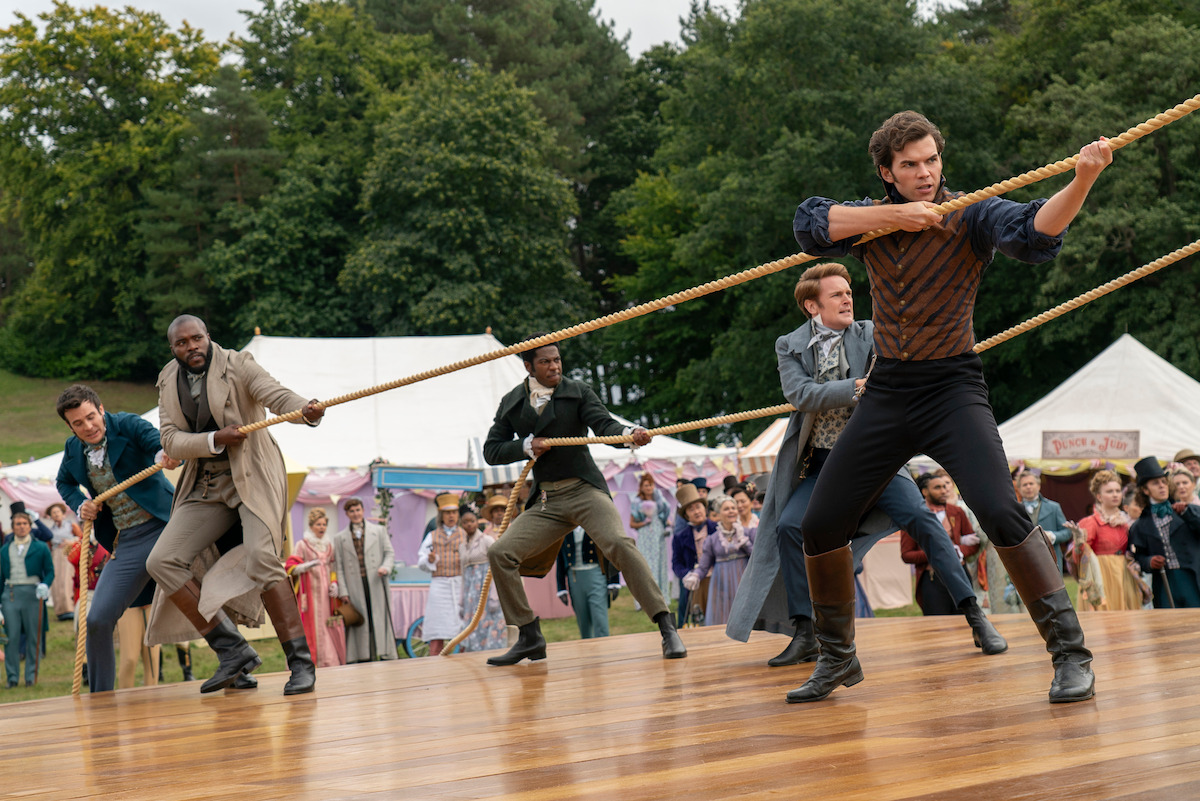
1165,540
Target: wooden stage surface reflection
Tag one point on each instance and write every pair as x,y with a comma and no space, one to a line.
609,719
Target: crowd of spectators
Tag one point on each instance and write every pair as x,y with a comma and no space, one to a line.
1137,546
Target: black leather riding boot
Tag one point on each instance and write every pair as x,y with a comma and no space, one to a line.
801,648
530,645
1040,584
234,654
985,634
672,644
185,662
280,602
831,585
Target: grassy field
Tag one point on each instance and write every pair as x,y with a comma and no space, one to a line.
31,429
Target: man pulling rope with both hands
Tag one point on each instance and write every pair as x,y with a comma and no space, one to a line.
568,491
205,394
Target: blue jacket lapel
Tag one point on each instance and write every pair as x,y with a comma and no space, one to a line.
116,440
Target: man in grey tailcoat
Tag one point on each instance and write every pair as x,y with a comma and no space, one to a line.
821,365
364,557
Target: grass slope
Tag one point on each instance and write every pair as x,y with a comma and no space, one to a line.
30,428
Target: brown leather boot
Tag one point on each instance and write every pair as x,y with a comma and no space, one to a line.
281,606
233,652
831,585
1039,582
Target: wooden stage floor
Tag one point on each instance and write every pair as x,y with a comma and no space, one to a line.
609,719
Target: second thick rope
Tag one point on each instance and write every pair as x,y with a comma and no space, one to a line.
787,408
769,268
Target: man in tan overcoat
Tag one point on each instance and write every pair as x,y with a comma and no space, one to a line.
205,393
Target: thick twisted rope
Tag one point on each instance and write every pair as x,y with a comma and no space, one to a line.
787,408
85,557
509,513
744,276
769,268
1088,297
615,439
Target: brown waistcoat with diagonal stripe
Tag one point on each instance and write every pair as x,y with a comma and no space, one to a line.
923,288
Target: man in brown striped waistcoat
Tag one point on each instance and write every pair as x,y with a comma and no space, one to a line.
926,393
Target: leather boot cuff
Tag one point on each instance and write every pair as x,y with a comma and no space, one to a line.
280,603
1031,567
187,601
831,576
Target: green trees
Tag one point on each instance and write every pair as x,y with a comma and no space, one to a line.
364,167
761,112
94,107
465,222
778,104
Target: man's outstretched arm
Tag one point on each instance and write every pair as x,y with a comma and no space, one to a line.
1054,217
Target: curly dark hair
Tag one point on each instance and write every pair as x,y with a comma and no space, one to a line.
899,131
75,396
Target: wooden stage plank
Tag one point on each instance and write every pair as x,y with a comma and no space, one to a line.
609,719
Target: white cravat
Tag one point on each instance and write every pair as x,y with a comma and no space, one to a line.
95,453
539,395
826,337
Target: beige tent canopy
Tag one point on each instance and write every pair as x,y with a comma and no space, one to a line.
1126,388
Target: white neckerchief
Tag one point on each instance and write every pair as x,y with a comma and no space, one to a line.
539,395
826,337
22,544
358,529
95,453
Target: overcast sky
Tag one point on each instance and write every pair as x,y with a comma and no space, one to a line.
647,21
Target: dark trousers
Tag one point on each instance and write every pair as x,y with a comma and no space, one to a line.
370,622
1185,591
121,581
692,598
901,501
939,408
932,595
22,610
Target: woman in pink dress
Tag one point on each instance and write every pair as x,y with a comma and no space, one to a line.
311,569
1107,535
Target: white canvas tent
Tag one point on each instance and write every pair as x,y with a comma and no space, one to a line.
1127,387
425,424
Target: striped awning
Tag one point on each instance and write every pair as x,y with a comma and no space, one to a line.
759,455
493,475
